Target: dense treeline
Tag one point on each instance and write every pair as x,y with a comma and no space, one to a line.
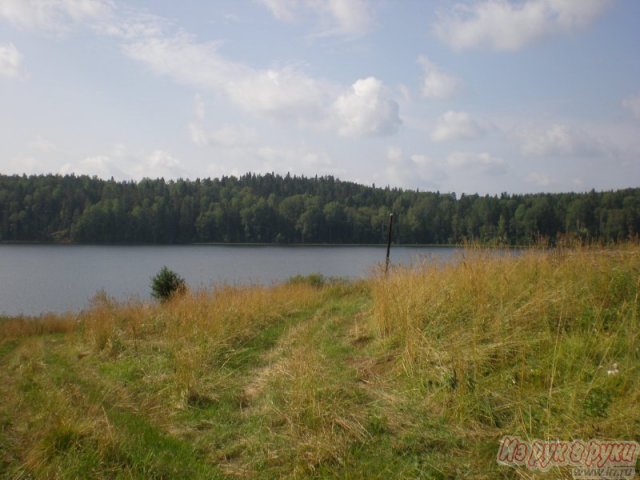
273,208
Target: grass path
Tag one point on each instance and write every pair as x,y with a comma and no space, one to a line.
304,397
288,400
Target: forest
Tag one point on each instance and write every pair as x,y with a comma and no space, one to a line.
272,208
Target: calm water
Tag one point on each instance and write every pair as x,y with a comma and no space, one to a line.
57,278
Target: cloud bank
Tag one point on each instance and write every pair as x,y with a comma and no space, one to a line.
336,17
509,26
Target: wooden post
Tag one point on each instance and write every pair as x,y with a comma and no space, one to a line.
386,266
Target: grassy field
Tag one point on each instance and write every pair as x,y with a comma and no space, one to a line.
414,375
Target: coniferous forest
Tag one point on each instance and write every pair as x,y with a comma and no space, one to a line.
292,209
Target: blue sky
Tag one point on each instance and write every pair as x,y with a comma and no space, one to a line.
483,96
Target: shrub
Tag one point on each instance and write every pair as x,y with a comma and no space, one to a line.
312,279
166,284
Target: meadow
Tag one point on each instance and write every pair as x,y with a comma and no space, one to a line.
414,374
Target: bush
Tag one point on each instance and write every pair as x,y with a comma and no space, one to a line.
313,279
166,284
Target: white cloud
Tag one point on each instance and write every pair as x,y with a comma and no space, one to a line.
25,164
179,57
352,17
564,140
42,144
283,10
292,157
422,160
337,17
10,60
284,93
555,140
298,159
510,26
230,136
398,170
394,154
198,134
133,24
53,15
405,94
412,170
456,126
125,164
159,163
198,107
102,166
244,152
482,162
632,104
366,110
461,167
539,179
437,83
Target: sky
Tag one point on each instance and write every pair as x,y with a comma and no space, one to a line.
477,96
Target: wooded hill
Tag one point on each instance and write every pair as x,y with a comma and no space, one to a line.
292,209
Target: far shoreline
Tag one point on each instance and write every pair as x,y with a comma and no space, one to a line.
264,244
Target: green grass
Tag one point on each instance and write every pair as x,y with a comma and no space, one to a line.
414,375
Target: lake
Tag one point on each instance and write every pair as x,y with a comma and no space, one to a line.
56,278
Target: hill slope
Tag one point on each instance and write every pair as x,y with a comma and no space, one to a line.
414,375
274,209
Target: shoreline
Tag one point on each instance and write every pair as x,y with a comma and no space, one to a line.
270,244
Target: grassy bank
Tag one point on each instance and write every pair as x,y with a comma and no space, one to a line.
414,375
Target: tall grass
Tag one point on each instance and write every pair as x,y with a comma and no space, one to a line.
16,327
540,344
198,330
105,396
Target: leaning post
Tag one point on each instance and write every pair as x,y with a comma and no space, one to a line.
386,266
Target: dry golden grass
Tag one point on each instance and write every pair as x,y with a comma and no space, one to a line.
17,327
138,365
196,328
543,343
312,419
